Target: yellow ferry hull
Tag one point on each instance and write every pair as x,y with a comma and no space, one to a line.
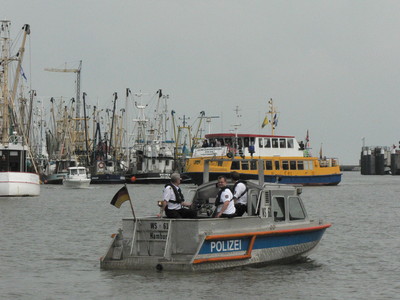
286,170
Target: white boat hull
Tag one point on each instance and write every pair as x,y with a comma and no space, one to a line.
79,183
16,184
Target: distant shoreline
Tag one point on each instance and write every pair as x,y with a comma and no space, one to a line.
350,168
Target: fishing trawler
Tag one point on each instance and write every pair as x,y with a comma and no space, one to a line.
285,160
275,230
153,154
15,155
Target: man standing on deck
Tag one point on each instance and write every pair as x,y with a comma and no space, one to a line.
173,201
224,201
239,194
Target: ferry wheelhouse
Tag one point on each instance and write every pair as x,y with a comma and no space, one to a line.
284,160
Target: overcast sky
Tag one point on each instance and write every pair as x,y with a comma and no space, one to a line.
332,67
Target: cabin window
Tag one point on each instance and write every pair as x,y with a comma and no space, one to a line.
296,211
282,143
290,143
228,142
245,165
277,167
196,162
220,163
153,161
300,165
13,153
278,206
268,165
82,171
253,165
267,143
285,165
292,165
167,162
275,143
246,142
235,165
260,143
308,165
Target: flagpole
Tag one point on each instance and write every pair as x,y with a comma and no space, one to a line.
130,202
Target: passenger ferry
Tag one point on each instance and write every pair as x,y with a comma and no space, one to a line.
284,160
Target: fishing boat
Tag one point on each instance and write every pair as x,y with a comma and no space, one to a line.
77,178
18,176
285,160
153,154
275,230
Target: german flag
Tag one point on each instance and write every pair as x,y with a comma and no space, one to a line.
120,197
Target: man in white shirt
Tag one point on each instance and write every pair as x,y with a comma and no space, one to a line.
174,202
224,200
239,194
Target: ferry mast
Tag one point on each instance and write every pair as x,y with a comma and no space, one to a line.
273,119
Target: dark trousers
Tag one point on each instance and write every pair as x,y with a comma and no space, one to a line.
228,216
185,213
240,209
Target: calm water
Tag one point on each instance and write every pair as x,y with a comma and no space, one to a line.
50,248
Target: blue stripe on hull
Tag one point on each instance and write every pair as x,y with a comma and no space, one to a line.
261,242
269,241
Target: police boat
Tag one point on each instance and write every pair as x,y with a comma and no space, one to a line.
275,230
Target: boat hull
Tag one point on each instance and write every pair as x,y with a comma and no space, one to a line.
17,184
314,180
107,179
77,183
186,245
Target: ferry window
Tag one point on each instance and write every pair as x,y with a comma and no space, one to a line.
282,143
220,163
290,143
246,141
277,165
296,211
308,165
267,142
278,206
268,165
252,140
196,162
260,143
167,162
235,165
275,143
245,165
292,165
253,165
153,161
285,165
300,165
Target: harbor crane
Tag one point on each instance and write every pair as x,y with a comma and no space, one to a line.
78,84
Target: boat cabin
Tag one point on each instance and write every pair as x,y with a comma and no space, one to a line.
249,145
281,203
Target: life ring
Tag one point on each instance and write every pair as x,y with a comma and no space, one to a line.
101,165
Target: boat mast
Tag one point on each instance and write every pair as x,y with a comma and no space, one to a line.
273,116
5,57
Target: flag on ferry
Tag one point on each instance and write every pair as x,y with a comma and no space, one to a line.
265,123
120,197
